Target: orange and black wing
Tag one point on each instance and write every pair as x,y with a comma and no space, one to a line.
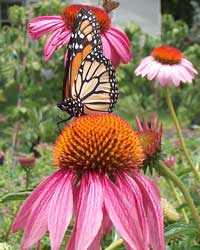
95,84
85,38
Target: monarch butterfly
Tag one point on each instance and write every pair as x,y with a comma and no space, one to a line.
89,83
109,5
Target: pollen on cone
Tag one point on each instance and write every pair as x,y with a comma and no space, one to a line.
69,15
100,142
167,55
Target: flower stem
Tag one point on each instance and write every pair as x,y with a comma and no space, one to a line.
7,234
178,129
166,172
114,245
27,178
178,198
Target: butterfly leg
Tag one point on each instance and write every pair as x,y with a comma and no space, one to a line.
61,120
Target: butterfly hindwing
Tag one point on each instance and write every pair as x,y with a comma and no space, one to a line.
95,84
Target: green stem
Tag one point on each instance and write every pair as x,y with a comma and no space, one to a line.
7,234
114,245
27,178
178,198
166,172
178,129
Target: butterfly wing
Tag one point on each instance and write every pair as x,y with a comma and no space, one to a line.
85,38
95,84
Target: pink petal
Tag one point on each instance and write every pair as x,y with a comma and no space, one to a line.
119,44
52,43
96,242
184,73
37,221
175,77
135,194
139,125
121,33
164,75
187,64
153,70
123,213
143,65
42,25
89,213
60,212
36,196
107,223
109,52
152,203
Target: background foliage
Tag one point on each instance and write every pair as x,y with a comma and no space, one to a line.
30,89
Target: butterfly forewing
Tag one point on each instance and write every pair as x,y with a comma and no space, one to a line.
85,38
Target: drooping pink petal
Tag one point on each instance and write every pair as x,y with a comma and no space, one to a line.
164,75
154,68
124,214
131,191
107,223
96,244
189,66
38,245
89,213
143,65
152,204
119,45
52,43
37,195
60,212
119,36
43,25
175,77
38,219
109,52
184,73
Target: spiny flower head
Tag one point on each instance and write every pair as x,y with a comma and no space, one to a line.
167,55
150,135
70,12
99,142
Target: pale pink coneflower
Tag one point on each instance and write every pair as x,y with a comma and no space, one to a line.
97,185
168,65
116,45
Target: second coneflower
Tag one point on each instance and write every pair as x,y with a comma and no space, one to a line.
116,45
168,65
99,184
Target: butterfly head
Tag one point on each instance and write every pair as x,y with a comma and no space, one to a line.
72,106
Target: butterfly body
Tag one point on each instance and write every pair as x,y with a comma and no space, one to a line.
89,83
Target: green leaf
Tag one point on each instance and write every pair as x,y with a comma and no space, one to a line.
14,196
179,229
195,247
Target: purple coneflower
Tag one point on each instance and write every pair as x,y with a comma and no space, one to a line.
97,184
116,45
168,65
